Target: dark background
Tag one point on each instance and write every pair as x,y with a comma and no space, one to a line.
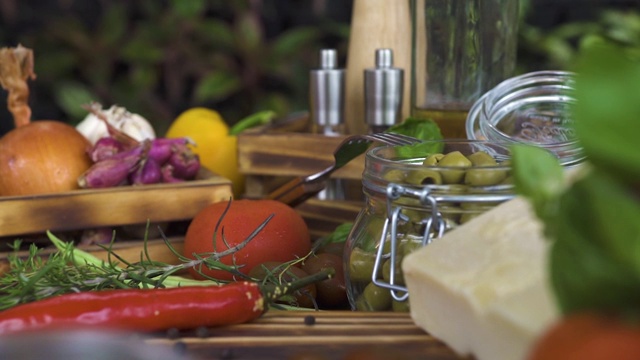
160,57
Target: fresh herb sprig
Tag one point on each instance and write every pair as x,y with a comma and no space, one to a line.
69,269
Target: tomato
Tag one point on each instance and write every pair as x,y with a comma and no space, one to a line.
336,248
284,238
332,293
589,336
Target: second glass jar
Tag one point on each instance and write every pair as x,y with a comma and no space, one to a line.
412,198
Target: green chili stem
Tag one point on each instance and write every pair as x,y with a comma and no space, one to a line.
83,258
253,120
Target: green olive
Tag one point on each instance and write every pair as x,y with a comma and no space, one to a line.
374,298
453,159
386,247
408,202
361,265
484,177
400,306
369,236
450,213
394,176
507,180
386,271
481,158
453,189
432,159
415,216
424,177
409,246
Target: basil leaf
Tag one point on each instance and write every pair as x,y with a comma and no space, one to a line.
595,259
607,92
340,233
614,214
583,278
423,129
538,175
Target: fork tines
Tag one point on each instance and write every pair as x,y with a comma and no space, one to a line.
394,139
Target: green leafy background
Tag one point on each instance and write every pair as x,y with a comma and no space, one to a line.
160,57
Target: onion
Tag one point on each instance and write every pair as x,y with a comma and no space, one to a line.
42,157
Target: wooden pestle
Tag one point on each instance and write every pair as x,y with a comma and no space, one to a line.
375,24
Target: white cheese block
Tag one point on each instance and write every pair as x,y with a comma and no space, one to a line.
483,287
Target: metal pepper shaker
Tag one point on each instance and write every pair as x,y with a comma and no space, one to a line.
383,87
326,95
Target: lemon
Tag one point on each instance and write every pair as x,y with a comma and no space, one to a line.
218,151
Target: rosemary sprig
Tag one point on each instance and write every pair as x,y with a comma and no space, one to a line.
70,269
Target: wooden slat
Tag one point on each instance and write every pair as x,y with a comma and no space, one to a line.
292,154
334,335
85,209
322,217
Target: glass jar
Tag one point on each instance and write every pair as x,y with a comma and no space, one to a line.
412,200
532,108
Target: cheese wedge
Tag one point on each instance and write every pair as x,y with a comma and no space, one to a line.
483,287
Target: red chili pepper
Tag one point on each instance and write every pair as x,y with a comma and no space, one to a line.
150,309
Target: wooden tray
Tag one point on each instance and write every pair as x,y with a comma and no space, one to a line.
287,149
334,335
124,205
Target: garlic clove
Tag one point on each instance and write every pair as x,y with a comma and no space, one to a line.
131,124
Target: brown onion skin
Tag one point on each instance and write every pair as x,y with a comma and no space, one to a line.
42,157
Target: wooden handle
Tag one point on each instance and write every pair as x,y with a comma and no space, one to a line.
296,191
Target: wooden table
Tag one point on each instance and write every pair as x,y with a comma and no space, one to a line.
293,335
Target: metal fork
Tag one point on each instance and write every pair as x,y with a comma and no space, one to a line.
301,188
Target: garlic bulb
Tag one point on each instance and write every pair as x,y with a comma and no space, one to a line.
134,125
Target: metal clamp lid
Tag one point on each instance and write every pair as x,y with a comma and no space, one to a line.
434,228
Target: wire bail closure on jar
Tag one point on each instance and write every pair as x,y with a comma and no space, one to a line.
435,227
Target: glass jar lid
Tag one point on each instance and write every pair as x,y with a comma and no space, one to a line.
532,108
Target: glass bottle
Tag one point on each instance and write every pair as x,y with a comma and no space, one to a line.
460,50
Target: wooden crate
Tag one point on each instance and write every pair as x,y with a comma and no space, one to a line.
124,205
272,155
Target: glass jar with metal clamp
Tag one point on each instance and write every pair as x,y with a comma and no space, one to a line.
412,199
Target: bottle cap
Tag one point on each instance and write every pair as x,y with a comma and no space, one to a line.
383,87
326,93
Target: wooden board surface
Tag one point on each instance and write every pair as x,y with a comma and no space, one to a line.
333,335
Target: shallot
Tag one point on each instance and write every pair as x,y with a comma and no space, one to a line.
185,162
113,171
105,148
162,148
121,161
168,175
147,173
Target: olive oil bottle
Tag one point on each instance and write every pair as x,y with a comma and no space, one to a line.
451,122
460,50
